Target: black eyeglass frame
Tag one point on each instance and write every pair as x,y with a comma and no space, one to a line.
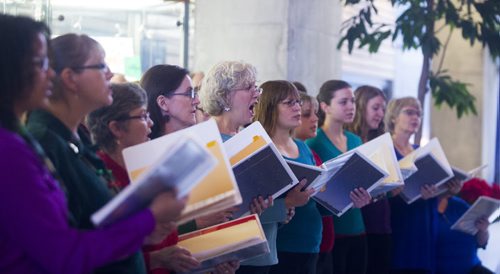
191,93
144,116
100,66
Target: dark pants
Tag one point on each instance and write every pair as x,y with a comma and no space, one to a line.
379,253
325,264
248,269
295,263
479,269
410,271
349,255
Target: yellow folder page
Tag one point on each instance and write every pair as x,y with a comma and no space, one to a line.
217,182
213,240
382,158
257,143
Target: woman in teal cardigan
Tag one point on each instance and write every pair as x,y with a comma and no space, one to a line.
298,241
337,108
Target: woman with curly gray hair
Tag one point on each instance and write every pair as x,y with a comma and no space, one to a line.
229,94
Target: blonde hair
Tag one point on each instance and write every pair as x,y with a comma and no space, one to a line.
394,108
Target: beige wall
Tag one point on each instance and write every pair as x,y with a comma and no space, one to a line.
461,139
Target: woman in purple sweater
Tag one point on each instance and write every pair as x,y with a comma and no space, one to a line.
35,236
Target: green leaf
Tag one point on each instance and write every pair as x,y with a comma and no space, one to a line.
454,93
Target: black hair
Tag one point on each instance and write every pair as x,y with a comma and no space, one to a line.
156,81
17,71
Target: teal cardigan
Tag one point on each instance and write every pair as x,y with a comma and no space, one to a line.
350,223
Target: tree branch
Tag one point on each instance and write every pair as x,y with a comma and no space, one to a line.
445,47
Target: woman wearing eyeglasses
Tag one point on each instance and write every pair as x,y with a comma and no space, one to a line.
172,102
297,241
229,94
337,109
37,232
123,124
81,86
414,226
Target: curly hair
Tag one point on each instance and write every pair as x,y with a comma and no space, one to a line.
126,97
221,80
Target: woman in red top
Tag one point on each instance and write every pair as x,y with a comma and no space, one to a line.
126,123
307,129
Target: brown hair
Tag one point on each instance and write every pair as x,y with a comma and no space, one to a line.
326,93
362,95
69,51
266,111
126,97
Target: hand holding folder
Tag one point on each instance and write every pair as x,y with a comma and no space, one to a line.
432,169
216,191
235,240
165,174
259,168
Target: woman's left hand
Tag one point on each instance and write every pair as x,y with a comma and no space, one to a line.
360,197
227,267
258,205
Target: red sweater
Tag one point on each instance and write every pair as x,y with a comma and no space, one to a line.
328,238
120,181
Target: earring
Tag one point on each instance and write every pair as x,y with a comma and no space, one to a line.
226,109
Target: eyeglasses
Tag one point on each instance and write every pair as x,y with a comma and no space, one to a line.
143,116
411,112
100,66
191,93
292,102
41,62
257,90
254,88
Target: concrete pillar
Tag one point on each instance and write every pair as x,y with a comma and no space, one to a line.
461,138
285,39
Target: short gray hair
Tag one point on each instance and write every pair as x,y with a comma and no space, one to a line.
394,108
221,80
126,97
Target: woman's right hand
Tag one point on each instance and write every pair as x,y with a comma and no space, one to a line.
173,258
428,191
298,197
166,207
216,218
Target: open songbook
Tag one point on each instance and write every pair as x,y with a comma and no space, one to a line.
483,207
381,152
461,176
258,166
236,240
166,173
335,179
432,169
216,191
